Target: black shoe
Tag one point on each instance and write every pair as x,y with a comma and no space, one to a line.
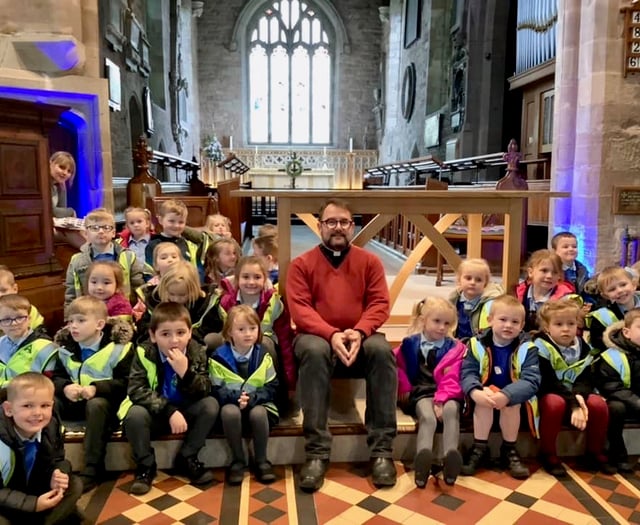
597,463
193,469
452,466
478,457
264,472
383,472
510,460
143,481
235,474
553,466
312,474
422,466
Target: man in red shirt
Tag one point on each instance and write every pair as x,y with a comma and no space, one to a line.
338,298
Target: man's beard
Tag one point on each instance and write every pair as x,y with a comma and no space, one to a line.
337,241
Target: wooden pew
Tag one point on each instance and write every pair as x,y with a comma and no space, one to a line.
237,209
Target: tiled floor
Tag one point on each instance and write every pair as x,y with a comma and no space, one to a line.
348,497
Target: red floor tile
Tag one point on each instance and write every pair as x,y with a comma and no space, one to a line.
328,507
535,518
117,503
209,501
158,519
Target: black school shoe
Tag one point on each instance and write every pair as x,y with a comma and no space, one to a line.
235,474
193,469
265,473
422,466
479,456
510,460
143,480
452,466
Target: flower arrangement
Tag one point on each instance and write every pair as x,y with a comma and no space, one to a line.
212,148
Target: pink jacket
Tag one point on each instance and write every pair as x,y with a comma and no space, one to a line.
446,374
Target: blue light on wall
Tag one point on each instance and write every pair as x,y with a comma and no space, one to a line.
84,119
62,53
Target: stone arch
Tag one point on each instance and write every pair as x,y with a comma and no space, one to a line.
326,9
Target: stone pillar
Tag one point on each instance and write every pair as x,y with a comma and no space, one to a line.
596,140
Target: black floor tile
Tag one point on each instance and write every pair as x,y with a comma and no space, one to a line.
267,514
521,499
268,495
373,504
448,502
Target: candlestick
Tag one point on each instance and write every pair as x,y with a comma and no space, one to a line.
324,151
350,144
230,142
256,150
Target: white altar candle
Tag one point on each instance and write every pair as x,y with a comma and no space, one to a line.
256,150
350,144
324,151
230,142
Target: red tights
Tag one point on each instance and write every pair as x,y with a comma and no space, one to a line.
554,411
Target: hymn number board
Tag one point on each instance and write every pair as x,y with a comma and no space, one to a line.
632,42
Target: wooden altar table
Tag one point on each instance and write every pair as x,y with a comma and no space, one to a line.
414,205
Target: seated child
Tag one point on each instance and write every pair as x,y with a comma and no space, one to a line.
544,282
220,260
137,232
8,286
500,372
266,249
245,384
165,254
37,484
251,288
101,227
565,244
21,348
618,379
105,281
180,284
169,393
91,380
472,297
267,229
566,392
429,364
218,225
172,216
617,286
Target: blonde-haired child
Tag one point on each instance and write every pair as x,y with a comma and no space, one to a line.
544,282
8,285
251,286
218,225
618,379
266,248
500,372
472,296
618,286
566,393
245,383
91,380
62,168
137,232
181,284
165,255
429,365
105,281
220,260
267,229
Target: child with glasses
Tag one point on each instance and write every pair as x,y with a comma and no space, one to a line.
22,349
101,229
8,285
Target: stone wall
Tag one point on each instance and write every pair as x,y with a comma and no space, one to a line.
221,76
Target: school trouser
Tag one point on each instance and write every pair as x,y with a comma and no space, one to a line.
140,427
554,412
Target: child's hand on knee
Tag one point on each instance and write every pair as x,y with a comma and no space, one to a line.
483,398
73,392
500,399
578,418
48,500
178,423
437,409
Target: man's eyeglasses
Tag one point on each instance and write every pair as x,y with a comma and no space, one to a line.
8,321
97,227
332,224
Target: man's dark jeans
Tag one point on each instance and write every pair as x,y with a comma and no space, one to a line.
317,364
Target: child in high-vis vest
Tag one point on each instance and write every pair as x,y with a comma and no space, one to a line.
101,229
472,297
501,372
91,377
245,384
566,392
618,380
618,287
8,285
429,363
21,348
36,484
169,393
